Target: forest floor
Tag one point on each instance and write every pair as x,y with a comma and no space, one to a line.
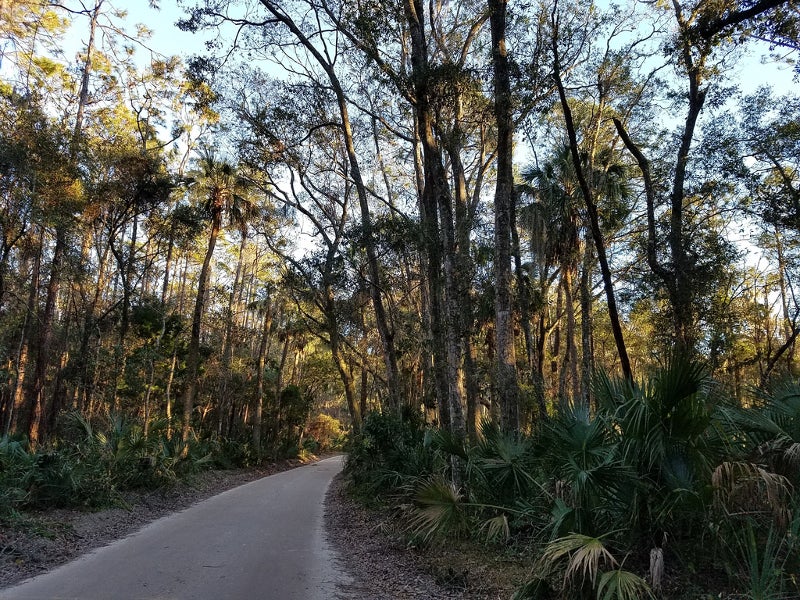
369,542
376,552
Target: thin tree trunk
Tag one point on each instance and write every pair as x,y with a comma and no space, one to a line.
44,339
587,357
787,321
168,392
591,209
261,362
341,365
193,354
569,367
224,399
435,196
26,336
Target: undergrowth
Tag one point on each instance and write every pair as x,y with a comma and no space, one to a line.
666,488
89,464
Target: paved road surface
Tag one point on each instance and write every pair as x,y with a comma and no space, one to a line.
260,541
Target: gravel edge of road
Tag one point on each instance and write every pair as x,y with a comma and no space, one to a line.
372,549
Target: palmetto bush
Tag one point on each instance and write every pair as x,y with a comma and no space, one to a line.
390,454
593,487
15,463
501,466
674,430
773,426
667,459
89,464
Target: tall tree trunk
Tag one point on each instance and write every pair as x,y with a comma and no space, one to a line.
89,322
341,364
461,304
193,354
261,362
789,325
43,351
435,204
569,366
587,356
506,384
591,208
27,336
225,399
525,317
430,379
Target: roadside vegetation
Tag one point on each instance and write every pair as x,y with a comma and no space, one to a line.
664,488
91,465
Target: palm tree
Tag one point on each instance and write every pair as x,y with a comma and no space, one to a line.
223,190
555,220
553,185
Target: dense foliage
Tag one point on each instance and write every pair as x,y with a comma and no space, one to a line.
669,487
453,214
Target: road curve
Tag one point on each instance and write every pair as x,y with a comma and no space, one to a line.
263,540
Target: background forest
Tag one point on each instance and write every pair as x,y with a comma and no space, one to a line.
539,258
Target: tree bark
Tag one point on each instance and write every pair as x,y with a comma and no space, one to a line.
193,354
506,384
35,396
261,362
591,208
587,354
435,196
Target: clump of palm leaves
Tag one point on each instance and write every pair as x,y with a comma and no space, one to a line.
494,488
589,567
15,462
89,463
593,487
772,424
390,453
668,458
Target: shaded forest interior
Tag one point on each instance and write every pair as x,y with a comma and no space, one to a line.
458,231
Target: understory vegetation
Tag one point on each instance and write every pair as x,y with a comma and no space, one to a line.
90,464
663,488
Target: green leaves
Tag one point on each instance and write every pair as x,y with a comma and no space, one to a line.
622,585
438,509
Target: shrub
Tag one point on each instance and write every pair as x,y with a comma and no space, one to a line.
326,432
389,452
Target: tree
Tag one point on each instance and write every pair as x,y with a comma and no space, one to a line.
323,54
222,190
506,379
588,198
703,31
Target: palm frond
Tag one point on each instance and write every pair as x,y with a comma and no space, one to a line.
437,509
741,486
622,585
585,556
496,528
